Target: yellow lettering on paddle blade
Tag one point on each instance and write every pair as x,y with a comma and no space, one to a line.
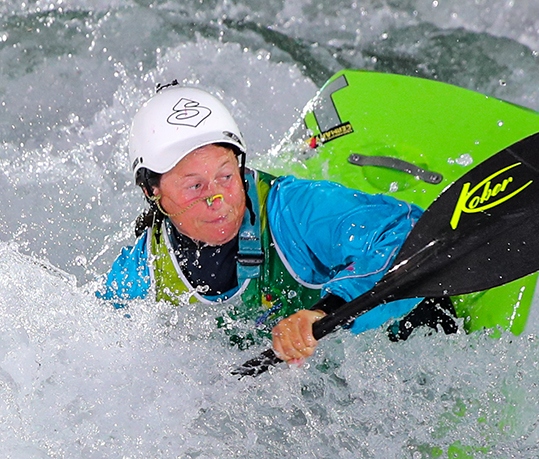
470,200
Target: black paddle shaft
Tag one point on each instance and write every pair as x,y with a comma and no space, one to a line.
481,232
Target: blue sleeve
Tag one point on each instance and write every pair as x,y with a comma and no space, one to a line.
340,238
129,277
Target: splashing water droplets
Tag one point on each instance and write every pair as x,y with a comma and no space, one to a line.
83,377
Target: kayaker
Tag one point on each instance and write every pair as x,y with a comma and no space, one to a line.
280,250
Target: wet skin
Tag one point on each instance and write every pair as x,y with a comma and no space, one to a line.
205,173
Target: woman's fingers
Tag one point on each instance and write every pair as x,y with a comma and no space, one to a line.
293,337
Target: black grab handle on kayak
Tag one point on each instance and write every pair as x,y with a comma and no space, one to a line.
398,164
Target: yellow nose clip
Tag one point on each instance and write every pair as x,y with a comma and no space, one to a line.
210,199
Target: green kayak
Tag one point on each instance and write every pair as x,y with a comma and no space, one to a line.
410,138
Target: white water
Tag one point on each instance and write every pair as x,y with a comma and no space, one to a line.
80,380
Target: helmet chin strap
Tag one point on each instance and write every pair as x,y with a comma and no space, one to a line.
209,201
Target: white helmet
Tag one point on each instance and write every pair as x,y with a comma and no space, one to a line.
175,122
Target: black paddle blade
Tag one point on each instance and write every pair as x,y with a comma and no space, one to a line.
481,232
257,365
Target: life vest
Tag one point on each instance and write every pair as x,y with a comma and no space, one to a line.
266,289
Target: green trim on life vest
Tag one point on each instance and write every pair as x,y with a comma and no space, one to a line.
170,285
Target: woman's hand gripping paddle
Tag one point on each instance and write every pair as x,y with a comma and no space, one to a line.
481,232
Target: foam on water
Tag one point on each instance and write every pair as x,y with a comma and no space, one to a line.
80,379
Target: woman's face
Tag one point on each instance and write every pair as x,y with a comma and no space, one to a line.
211,171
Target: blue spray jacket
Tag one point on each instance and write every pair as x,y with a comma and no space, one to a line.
329,237
341,238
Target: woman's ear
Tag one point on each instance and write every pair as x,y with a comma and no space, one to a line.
154,192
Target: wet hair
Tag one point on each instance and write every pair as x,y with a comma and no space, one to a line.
147,180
